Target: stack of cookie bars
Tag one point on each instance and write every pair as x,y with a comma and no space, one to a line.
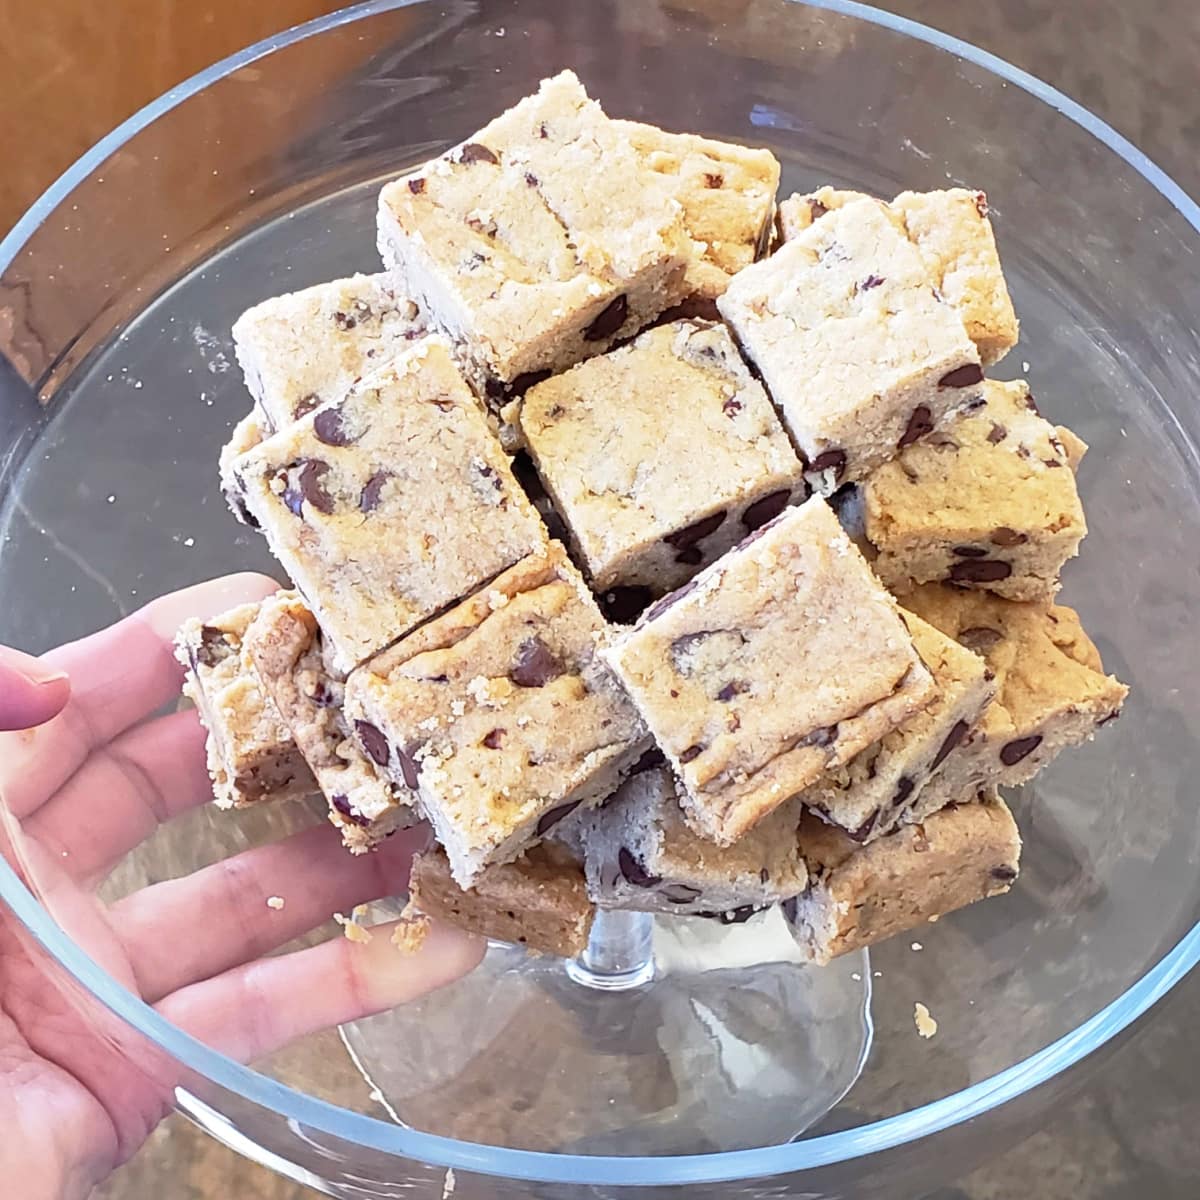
663,548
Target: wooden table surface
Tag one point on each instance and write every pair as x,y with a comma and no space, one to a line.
70,70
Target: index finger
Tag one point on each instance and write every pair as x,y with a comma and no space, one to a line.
119,676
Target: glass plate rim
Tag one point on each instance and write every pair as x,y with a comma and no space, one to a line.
373,1133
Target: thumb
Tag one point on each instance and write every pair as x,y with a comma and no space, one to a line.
31,691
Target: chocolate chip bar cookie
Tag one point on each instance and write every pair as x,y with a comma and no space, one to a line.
284,644
539,901
953,233
1051,689
727,193
859,352
539,241
305,349
873,792
782,660
989,501
389,504
641,854
500,713
660,455
251,754
859,895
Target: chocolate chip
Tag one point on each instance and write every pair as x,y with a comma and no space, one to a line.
1003,536
697,531
374,743
904,789
623,604
323,696
981,204
997,434
1051,462
1112,716
660,606
494,738
1019,748
969,551
410,769
305,405
416,186
763,875
551,818
980,638
474,152
534,664
691,556
328,427
765,508
308,487
964,376
864,830
368,500
610,319
543,132
830,460
691,753
816,209
919,424
871,281
735,687
679,893
732,407
343,806
633,872
956,735
1004,873
1031,404
344,321
531,179
213,648
980,570
293,499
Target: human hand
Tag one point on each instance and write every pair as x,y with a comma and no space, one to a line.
93,780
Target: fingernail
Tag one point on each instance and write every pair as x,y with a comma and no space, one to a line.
33,669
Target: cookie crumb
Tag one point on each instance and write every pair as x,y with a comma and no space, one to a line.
926,1025
917,946
411,930
275,902
353,931
448,1184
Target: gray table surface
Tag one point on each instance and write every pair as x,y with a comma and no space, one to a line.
1131,1134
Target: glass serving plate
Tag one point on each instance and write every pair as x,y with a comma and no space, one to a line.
735,1071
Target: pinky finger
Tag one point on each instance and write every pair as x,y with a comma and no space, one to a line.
254,1009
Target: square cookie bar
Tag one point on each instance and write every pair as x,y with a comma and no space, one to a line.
305,349
500,713
859,352
389,504
859,895
783,659
251,754
873,792
989,501
284,644
539,901
1051,690
954,235
727,193
659,455
539,241
640,853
